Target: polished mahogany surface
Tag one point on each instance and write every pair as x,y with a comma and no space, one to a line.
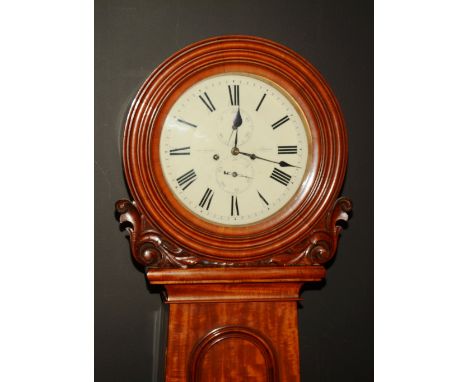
233,291
233,324
295,228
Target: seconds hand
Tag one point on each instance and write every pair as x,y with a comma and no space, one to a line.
236,174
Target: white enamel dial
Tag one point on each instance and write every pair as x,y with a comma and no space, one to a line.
234,149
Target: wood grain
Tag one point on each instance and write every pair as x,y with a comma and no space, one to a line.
233,353
276,323
233,324
316,197
219,275
233,291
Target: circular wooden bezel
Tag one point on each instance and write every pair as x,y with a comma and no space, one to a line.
327,148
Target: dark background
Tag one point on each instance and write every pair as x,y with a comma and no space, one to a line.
132,37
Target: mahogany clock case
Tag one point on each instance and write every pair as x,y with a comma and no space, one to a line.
131,38
304,229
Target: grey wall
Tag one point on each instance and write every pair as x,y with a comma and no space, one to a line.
131,38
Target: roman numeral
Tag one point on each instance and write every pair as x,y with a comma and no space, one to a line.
280,122
287,149
187,179
262,197
234,206
207,102
205,201
186,123
260,103
280,176
234,95
180,151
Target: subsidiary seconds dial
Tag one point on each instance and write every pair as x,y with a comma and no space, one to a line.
234,149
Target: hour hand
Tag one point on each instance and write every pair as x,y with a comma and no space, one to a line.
235,125
281,163
237,120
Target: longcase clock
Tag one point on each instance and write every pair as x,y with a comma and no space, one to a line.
234,152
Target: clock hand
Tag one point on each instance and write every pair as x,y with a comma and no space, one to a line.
281,163
235,140
235,125
238,120
236,174
232,132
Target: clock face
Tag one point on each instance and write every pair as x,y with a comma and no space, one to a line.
234,149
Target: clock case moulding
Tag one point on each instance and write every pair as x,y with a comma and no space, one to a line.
163,234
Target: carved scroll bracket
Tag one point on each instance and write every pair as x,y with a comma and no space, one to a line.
320,245
148,246
150,249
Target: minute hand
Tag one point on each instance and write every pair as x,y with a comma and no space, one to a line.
281,163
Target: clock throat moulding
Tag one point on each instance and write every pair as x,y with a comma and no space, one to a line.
234,152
